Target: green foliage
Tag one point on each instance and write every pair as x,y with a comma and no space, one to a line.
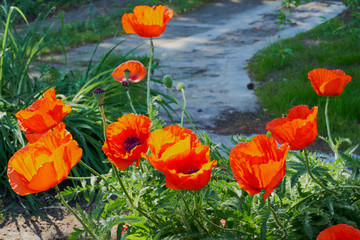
34,8
302,206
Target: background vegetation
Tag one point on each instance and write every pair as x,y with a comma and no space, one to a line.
280,72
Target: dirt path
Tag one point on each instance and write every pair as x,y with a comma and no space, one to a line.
210,48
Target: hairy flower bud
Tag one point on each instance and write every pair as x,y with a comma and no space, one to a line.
180,86
99,95
168,81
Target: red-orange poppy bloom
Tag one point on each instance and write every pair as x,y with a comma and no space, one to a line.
328,82
298,128
340,232
178,153
137,72
43,114
259,164
147,21
44,162
127,140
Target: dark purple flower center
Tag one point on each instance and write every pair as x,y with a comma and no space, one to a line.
131,142
191,171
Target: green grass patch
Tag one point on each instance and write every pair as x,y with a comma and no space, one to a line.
35,7
281,69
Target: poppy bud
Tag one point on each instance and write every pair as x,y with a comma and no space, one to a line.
127,73
168,81
180,86
99,95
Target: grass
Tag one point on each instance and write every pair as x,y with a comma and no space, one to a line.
33,8
104,26
280,71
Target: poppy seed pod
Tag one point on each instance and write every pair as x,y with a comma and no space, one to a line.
168,81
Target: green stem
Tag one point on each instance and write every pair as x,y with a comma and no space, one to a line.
103,120
130,101
139,209
116,172
148,101
183,109
277,219
182,114
190,212
87,228
311,175
332,145
78,178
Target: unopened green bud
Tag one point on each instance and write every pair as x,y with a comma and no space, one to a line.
180,86
168,81
99,95
127,73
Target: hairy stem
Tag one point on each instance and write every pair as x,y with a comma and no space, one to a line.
148,101
103,120
87,228
190,212
130,101
277,219
183,109
332,145
311,175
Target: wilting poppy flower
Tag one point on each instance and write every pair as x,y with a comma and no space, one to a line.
147,21
298,128
43,114
137,72
328,82
258,164
127,140
339,232
178,153
44,162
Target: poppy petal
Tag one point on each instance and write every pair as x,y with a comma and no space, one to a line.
258,164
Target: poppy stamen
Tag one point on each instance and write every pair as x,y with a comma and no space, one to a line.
191,171
131,142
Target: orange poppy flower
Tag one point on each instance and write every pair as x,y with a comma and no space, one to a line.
258,164
339,232
147,21
178,153
137,72
44,162
127,140
43,114
328,82
298,128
